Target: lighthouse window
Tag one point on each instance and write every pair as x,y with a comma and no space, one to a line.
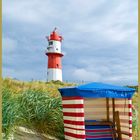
50,43
57,65
57,49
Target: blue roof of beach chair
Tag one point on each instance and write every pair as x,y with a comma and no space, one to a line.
97,90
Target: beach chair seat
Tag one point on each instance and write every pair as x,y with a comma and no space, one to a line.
99,130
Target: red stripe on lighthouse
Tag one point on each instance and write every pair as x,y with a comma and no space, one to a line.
54,60
54,36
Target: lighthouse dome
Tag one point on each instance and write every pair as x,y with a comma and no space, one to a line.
55,36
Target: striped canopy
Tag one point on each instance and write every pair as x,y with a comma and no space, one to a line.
97,90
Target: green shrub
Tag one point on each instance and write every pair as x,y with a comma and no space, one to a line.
10,112
42,113
32,109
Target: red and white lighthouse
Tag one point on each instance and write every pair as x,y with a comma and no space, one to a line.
54,57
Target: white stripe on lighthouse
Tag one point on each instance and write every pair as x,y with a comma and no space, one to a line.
55,47
54,74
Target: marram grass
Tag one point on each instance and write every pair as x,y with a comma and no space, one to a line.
36,105
42,113
10,112
34,110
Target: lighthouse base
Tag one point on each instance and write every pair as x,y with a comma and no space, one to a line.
54,74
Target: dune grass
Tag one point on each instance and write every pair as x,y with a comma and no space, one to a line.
34,110
10,112
36,105
41,113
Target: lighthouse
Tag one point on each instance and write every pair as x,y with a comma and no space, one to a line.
54,54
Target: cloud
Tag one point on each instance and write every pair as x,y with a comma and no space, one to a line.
28,11
100,39
86,75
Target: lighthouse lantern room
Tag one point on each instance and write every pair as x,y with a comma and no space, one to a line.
54,57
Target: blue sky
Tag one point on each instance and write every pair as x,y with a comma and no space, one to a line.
100,39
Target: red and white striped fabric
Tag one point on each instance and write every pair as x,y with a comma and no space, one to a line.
73,116
77,109
130,118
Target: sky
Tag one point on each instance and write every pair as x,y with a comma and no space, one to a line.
100,39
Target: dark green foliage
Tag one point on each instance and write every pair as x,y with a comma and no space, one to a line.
42,113
10,112
32,109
